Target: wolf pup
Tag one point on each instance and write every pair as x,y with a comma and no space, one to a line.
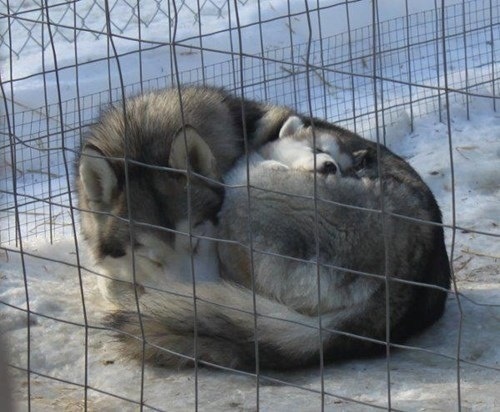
312,264
125,175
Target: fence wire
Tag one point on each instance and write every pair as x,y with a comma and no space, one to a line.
88,18
366,77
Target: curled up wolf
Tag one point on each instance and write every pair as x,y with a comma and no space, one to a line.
332,230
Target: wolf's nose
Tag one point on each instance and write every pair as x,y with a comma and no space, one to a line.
328,168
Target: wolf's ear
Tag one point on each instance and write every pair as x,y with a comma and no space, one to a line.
200,157
98,179
291,126
360,158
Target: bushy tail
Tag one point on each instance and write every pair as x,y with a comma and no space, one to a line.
226,329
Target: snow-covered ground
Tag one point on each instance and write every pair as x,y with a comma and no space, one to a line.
458,360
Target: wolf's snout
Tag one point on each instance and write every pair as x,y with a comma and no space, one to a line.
328,168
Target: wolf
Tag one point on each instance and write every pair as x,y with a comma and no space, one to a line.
314,264
142,210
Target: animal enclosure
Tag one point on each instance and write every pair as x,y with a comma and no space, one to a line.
422,79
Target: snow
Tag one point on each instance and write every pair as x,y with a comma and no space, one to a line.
63,297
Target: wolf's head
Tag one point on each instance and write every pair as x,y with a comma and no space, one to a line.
137,217
308,148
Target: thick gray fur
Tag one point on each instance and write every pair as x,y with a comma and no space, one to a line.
338,258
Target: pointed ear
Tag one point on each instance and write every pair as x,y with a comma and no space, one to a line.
360,158
200,157
291,126
98,179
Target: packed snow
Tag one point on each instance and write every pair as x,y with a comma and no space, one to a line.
455,362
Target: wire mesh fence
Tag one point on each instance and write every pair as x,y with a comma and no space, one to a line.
425,71
87,17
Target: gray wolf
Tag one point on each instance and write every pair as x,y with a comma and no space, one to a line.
312,263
